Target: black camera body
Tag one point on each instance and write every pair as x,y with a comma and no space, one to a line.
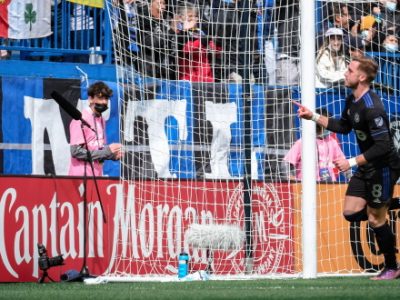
45,262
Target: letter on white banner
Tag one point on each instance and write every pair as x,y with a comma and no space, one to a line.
45,115
155,112
221,116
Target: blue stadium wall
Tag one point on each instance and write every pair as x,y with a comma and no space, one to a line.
22,85
34,130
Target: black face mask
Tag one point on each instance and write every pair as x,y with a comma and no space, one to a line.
100,108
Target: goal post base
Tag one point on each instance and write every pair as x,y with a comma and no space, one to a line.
249,263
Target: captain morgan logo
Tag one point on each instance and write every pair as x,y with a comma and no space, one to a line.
270,228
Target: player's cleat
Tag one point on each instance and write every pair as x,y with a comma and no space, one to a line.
387,274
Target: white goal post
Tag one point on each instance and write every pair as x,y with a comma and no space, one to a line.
308,208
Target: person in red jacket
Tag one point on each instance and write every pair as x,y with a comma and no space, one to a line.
193,45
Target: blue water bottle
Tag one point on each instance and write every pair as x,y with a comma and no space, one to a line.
183,265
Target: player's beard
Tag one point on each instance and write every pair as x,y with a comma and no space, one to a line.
350,84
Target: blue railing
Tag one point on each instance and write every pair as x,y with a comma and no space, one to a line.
389,71
78,31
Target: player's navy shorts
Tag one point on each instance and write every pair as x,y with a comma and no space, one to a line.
376,187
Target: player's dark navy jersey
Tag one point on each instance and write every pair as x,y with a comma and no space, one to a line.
368,118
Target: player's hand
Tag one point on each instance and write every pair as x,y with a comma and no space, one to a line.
302,111
342,164
116,149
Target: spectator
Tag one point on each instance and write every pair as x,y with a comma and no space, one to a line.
331,62
355,48
391,43
287,69
82,30
287,21
340,18
287,14
194,45
388,15
224,27
358,9
158,58
266,44
368,32
328,150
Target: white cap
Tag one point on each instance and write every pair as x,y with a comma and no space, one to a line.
334,31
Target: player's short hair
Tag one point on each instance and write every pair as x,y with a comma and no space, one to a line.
367,65
100,89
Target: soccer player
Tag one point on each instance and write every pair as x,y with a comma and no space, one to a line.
378,167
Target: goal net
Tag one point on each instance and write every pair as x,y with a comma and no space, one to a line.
213,163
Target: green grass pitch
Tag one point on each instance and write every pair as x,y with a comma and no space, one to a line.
322,288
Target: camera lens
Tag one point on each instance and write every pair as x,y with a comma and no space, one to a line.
56,261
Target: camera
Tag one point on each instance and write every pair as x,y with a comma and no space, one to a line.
46,262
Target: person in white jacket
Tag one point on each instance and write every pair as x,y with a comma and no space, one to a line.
331,61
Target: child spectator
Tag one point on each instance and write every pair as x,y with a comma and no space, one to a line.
331,62
193,45
328,150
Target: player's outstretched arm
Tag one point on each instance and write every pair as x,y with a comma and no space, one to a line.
305,113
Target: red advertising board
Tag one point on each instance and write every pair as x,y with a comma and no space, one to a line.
144,229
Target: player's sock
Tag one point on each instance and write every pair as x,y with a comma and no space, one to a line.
386,242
